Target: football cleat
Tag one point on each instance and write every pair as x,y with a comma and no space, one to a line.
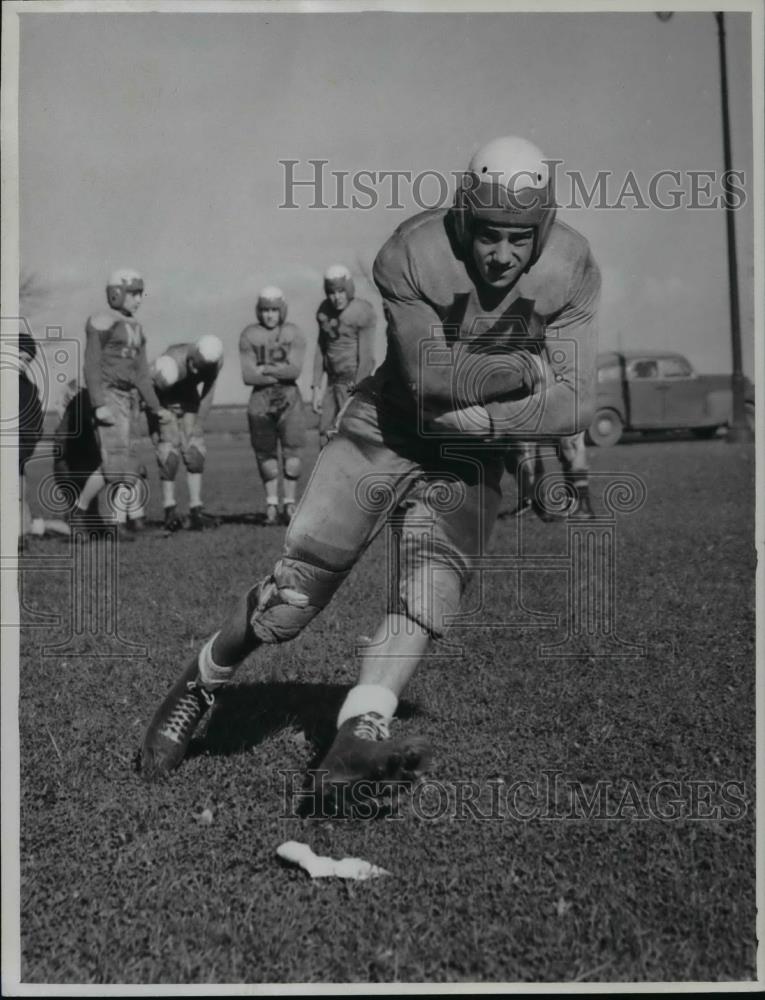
581,505
272,514
289,512
172,521
363,750
199,520
124,533
169,734
137,524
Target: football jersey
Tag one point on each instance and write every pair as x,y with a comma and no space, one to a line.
115,358
185,392
340,336
430,293
283,349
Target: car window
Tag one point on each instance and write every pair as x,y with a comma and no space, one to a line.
642,368
674,368
609,373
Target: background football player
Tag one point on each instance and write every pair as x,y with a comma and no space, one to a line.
344,349
184,379
525,460
271,353
115,365
472,295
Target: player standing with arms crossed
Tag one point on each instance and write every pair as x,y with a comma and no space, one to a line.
115,364
184,378
344,349
491,309
271,353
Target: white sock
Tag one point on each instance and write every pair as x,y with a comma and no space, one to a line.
194,480
290,489
365,698
168,493
272,499
210,673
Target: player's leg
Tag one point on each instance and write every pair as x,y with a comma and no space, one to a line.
521,463
117,461
137,494
194,453
137,501
265,444
166,438
90,491
292,436
576,473
330,529
457,509
121,466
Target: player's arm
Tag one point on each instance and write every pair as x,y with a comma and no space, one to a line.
318,361
567,400
289,370
143,380
96,326
252,371
440,376
366,362
206,396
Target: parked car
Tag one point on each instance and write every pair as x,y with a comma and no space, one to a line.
660,391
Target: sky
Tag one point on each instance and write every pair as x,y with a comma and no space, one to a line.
153,141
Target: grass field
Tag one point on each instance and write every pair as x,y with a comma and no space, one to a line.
124,883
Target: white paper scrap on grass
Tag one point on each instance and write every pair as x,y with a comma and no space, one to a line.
323,867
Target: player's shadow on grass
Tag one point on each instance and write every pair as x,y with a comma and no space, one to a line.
247,714
257,519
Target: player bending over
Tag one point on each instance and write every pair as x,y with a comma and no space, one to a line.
491,329
271,353
115,364
184,379
344,350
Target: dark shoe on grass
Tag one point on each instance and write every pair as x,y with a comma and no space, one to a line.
172,521
169,734
363,749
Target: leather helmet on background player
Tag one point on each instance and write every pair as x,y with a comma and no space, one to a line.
209,348
509,183
271,298
338,278
124,279
165,371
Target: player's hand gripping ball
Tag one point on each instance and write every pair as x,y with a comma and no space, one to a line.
104,416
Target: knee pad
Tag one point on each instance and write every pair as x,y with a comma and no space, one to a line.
168,460
269,469
292,467
431,583
194,456
285,602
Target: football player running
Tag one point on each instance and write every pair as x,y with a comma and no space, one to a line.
115,365
271,353
184,378
344,350
491,310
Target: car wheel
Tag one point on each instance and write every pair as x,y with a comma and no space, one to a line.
605,429
705,432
